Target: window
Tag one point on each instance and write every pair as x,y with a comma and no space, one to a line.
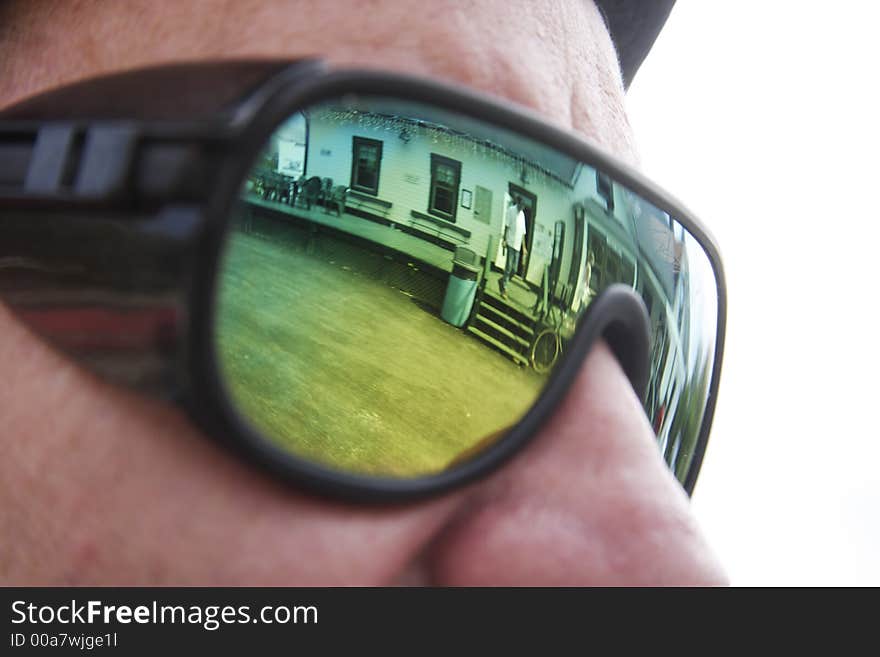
606,190
445,178
366,159
597,245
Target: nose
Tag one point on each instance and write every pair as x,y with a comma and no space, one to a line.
589,502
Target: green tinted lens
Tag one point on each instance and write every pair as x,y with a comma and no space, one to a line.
400,280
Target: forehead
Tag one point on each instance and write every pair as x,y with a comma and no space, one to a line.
556,58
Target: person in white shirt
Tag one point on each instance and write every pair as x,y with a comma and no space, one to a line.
514,232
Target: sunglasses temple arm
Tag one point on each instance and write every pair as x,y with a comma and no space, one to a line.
109,295
99,224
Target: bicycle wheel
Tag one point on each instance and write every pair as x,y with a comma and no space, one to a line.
545,350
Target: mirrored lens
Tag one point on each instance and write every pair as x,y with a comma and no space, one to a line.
399,281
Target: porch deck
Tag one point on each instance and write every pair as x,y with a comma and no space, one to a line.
388,237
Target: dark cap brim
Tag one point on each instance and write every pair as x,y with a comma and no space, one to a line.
634,26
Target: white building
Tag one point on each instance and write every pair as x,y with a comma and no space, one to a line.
421,175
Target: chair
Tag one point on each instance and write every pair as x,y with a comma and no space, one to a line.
311,191
336,198
326,190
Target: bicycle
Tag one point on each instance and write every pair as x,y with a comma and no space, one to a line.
547,343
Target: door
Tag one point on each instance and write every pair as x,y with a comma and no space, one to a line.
556,257
530,207
577,252
500,257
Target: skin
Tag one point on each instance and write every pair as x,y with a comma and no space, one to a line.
99,486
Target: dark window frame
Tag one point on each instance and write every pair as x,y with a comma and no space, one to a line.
605,188
442,160
356,144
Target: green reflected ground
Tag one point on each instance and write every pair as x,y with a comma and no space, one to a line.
331,361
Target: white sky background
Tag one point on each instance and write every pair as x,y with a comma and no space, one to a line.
762,117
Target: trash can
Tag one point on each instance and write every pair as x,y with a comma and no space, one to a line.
462,287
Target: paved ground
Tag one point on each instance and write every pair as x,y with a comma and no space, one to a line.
326,351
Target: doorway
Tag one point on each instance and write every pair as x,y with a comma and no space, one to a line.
530,205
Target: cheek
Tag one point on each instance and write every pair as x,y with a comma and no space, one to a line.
98,486
85,468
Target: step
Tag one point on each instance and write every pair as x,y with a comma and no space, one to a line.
500,346
494,299
500,329
500,317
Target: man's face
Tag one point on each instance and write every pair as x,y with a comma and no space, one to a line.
99,486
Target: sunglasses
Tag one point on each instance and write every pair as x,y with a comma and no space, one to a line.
373,285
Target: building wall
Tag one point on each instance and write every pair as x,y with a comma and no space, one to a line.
405,177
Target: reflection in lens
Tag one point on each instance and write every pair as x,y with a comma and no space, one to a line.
400,280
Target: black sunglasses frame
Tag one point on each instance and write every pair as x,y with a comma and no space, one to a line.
183,194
